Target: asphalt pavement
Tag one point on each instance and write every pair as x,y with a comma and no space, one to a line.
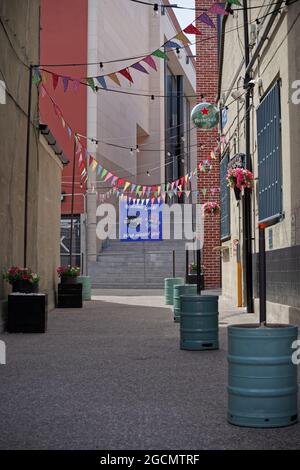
112,376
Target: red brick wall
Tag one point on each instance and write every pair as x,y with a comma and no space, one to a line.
63,41
207,82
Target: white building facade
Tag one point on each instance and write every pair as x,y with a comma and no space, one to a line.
143,128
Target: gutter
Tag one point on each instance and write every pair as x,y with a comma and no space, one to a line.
45,131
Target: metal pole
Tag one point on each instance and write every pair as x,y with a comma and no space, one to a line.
247,245
27,165
262,277
199,272
174,269
72,202
186,266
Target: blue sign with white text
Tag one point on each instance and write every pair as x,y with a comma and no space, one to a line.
140,222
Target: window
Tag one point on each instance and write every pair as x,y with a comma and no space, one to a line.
174,126
269,155
225,199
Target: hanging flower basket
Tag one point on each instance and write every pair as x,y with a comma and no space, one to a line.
239,179
211,208
22,280
68,274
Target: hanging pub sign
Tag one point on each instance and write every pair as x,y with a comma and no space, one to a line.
205,116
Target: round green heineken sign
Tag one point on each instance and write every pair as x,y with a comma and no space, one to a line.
205,116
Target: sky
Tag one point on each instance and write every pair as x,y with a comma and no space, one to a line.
185,17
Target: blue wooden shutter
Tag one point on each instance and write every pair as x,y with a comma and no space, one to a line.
225,199
269,155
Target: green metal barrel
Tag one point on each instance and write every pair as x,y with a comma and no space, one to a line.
189,289
169,284
86,287
199,322
262,388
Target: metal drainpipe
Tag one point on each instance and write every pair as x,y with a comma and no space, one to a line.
261,43
247,223
247,226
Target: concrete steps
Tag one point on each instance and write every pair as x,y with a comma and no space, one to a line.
137,264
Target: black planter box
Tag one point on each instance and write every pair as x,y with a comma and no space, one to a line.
25,287
27,313
69,296
192,279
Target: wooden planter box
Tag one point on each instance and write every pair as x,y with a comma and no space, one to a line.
27,313
192,279
69,296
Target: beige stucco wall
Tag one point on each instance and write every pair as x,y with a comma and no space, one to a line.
278,59
21,20
48,223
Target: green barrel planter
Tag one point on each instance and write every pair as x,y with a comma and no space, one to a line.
199,329
86,287
170,282
262,380
188,289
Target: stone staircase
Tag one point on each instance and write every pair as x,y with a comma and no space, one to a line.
137,265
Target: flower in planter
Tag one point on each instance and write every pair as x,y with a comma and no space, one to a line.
211,208
16,274
240,178
68,271
193,268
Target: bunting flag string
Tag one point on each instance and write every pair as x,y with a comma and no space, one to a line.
41,74
181,184
137,199
178,186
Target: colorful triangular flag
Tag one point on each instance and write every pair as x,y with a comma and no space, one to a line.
108,176
160,54
182,38
139,67
104,173
150,61
91,83
216,9
171,45
65,83
102,82
94,165
36,77
76,84
55,80
191,29
43,91
204,18
44,76
114,78
126,74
